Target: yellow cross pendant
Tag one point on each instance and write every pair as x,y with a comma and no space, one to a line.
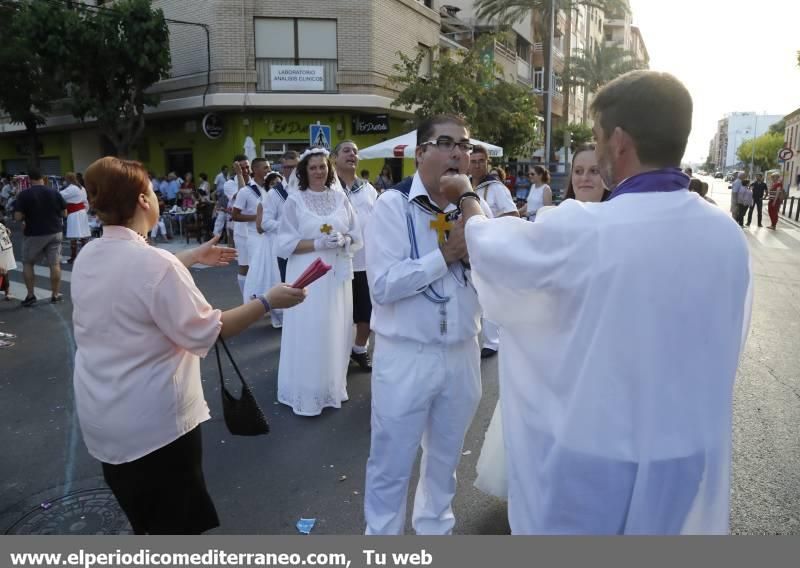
441,225
326,229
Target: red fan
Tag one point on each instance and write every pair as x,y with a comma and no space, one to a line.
314,272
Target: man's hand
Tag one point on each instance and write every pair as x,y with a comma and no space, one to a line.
237,169
453,187
455,248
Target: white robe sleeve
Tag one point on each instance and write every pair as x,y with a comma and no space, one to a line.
288,232
392,274
515,261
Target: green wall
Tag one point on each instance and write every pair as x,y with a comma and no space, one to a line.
54,145
208,155
165,134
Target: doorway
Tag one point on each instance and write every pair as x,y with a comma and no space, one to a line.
180,162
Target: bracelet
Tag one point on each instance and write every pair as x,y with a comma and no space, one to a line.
264,302
469,194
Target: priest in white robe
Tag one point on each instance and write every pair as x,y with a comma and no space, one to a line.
618,364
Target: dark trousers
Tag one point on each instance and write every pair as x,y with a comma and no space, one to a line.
740,213
282,268
757,204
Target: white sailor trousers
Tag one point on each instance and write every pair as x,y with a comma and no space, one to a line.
421,394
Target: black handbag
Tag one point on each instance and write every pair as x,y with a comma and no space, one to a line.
243,416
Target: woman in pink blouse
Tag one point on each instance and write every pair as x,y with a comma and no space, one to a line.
141,326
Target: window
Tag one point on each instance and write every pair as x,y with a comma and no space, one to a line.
426,65
296,42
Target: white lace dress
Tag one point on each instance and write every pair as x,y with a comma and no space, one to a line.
318,334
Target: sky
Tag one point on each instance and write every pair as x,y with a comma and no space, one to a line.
733,56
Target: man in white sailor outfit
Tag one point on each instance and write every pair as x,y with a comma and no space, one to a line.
271,221
497,196
426,370
362,197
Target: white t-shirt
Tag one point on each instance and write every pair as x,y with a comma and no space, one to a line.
219,181
363,201
247,201
497,196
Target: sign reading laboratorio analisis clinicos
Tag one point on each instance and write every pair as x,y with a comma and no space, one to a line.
297,77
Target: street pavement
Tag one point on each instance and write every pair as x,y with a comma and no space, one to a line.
314,467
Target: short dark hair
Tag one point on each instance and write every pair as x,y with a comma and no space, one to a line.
239,158
271,176
427,126
224,167
342,143
364,174
696,185
203,176
258,161
302,171
480,149
35,173
290,155
654,108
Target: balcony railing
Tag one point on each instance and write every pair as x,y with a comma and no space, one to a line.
329,68
557,53
538,83
523,70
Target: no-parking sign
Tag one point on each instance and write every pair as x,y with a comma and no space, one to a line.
785,154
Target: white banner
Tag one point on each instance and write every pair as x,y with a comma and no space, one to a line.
297,77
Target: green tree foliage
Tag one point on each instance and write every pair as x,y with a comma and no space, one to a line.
464,83
594,68
117,55
509,11
31,50
579,134
779,127
766,154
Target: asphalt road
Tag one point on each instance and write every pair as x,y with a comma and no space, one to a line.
314,467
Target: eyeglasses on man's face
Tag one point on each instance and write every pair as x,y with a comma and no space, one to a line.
446,144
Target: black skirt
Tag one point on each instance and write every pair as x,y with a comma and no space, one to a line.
362,304
165,492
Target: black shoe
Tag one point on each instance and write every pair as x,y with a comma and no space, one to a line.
362,360
486,352
29,301
57,299
760,225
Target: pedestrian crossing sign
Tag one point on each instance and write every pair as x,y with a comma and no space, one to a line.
319,135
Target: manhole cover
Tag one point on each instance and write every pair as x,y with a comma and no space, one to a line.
91,511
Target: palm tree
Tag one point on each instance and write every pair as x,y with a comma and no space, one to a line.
508,11
591,69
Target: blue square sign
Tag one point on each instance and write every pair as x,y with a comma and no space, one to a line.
319,135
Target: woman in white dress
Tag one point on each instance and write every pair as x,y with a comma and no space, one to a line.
77,214
263,273
540,193
586,185
317,221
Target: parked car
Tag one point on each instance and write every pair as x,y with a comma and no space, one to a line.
718,175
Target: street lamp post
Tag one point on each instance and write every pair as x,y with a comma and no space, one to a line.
753,150
549,98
